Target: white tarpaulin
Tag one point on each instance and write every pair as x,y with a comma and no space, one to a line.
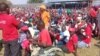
61,0
96,3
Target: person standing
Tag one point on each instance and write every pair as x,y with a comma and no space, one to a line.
98,23
45,16
9,25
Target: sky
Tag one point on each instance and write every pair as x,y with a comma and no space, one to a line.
15,2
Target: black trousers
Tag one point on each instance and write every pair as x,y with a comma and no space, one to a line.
12,48
93,20
1,45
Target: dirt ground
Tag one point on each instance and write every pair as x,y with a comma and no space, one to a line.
94,50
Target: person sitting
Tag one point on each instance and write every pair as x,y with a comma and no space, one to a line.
87,36
71,46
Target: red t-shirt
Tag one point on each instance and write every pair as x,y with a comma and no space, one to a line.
9,24
88,31
71,43
44,37
58,37
92,12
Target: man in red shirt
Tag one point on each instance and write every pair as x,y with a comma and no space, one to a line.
8,25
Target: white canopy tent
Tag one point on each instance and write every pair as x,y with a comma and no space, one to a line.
96,3
61,0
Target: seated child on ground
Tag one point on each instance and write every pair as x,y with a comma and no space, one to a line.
86,40
44,39
71,46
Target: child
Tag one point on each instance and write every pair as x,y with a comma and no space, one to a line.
44,39
87,35
64,36
23,40
72,43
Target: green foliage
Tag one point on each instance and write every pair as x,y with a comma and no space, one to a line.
35,1
3,0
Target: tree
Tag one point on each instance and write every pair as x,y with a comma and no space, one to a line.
3,0
35,1
6,1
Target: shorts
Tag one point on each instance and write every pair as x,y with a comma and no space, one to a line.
82,44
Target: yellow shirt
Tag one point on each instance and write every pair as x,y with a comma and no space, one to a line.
45,17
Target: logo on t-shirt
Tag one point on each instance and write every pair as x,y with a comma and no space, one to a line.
2,22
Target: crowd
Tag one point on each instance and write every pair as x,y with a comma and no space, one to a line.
71,28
